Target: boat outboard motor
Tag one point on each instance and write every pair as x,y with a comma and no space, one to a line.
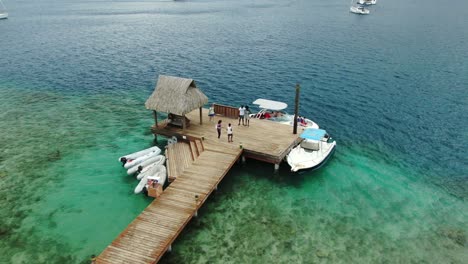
140,168
123,160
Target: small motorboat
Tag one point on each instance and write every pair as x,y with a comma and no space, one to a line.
3,12
139,160
274,111
313,151
145,165
150,170
158,173
367,2
135,155
360,10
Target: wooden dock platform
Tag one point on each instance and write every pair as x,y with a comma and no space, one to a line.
263,140
201,165
151,234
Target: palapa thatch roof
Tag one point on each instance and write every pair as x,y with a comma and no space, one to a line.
176,95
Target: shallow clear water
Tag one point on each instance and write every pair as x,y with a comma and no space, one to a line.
389,87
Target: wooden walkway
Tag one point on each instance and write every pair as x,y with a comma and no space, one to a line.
151,234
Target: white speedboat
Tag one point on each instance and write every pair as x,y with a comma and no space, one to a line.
135,155
274,111
145,165
157,172
314,150
3,12
367,2
360,10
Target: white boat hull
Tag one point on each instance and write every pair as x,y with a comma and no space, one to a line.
140,153
300,158
359,11
160,175
139,160
367,2
156,160
151,171
3,15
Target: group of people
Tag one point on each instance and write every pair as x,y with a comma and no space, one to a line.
302,120
244,116
228,130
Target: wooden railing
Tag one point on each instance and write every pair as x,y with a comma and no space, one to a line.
227,111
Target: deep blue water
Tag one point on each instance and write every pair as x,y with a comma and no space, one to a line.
392,84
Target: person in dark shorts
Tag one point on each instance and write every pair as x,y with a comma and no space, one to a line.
241,114
218,128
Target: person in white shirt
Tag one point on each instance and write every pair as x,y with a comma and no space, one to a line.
229,132
241,114
247,116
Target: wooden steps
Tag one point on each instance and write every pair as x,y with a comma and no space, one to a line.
181,155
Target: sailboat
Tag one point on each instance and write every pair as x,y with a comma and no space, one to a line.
3,12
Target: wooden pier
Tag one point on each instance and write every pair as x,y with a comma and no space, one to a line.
196,165
151,234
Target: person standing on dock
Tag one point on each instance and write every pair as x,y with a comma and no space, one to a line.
218,128
229,132
247,115
241,114
211,112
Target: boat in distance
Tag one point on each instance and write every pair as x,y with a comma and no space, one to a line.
360,10
3,12
367,2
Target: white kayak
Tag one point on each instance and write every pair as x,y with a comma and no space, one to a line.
156,160
140,159
140,153
157,171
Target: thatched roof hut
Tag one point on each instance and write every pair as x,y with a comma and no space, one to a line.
176,95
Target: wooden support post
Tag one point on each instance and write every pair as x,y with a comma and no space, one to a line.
243,159
196,213
296,108
216,187
155,114
169,249
201,116
276,167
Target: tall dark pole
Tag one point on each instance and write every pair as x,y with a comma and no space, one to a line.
296,108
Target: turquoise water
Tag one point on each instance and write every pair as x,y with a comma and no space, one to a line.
389,87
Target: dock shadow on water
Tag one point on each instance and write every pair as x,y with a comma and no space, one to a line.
368,213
